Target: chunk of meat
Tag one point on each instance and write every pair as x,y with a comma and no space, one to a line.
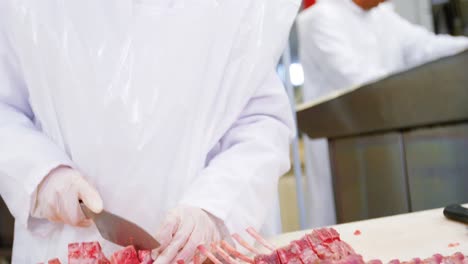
340,249
457,258
351,259
374,261
74,252
324,235
86,252
435,259
267,259
303,249
54,261
127,255
289,255
92,252
327,245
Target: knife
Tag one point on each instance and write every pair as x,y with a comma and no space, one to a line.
120,231
456,212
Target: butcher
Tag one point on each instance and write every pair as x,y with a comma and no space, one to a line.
168,113
345,44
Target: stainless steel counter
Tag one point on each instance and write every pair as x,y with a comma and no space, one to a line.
434,93
403,237
399,144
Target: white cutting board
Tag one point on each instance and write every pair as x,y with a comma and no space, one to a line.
403,237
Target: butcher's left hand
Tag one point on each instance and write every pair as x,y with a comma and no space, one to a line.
183,229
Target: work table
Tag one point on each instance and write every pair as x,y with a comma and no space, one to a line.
403,237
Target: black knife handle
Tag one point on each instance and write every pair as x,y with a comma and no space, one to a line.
456,212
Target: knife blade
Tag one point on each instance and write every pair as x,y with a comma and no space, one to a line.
119,230
456,212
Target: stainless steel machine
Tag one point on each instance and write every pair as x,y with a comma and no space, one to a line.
399,144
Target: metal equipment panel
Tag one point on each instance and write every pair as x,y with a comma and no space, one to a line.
414,98
369,177
437,165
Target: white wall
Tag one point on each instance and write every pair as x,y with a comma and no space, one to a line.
416,11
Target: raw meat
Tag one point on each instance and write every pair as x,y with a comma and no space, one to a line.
288,255
327,245
321,246
127,255
351,259
305,252
267,259
86,253
74,252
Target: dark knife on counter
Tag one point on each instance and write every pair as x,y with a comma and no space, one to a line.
456,212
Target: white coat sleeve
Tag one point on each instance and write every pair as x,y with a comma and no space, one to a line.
421,46
326,46
241,181
26,155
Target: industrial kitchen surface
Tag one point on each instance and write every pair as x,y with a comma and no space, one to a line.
421,234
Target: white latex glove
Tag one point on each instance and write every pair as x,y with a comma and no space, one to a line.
58,195
182,231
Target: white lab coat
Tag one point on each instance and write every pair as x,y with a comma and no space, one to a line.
158,103
343,46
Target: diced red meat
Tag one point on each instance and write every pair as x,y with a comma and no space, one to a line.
54,261
267,259
92,251
322,246
335,235
438,258
374,261
319,247
288,255
86,252
435,259
357,232
457,258
323,252
327,245
453,244
340,249
303,249
324,235
144,256
351,259
74,252
322,242
127,255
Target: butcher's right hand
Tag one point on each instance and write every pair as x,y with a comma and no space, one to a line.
58,195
